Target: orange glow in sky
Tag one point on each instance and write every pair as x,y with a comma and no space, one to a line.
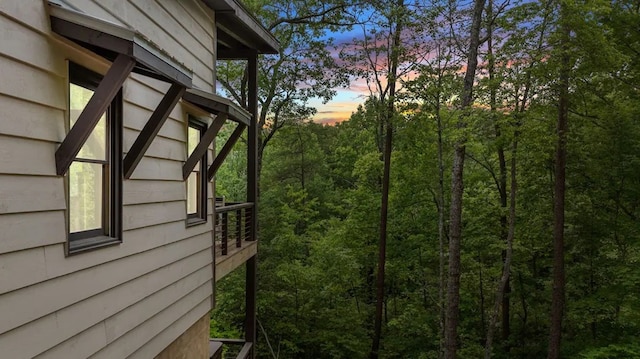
345,102
340,107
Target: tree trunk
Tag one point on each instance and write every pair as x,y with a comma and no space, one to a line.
382,245
455,217
508,255
481,293
502,290
557,297
441,230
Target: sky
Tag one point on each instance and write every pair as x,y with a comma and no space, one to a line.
346,100
339,108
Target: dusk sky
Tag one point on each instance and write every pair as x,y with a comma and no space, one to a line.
339,108
346,100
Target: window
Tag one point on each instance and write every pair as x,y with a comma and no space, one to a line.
95,175
197,180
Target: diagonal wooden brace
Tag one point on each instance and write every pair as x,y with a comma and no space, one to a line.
208,137
220,157
151,128
97,105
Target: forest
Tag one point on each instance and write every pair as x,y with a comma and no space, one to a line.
483,201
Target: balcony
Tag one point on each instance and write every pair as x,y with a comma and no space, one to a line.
234,245
235,348
234,238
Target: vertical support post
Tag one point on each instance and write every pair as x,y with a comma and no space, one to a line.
238,228
213,255
252,196
248,223
213,239
225,232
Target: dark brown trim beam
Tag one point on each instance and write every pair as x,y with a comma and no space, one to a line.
228,341
88,119
245,352
202,146
234,207
233,15
251,278
224,152
215,349
215,104
165,70
225,40
234,53
253,138
89,36
251,284
108,40
151,128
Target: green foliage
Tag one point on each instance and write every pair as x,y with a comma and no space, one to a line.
613,351
320,190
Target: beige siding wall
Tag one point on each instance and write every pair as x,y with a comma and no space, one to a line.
130,300
183,28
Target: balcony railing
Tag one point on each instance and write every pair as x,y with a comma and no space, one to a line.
234,224
234,348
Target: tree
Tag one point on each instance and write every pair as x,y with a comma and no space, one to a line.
322,188
436,83
304,68
455,217
557,301
379,57
511,82
397,13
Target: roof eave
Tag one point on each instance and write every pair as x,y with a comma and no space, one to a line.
252,33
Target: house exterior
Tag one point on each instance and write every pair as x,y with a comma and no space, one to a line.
111,239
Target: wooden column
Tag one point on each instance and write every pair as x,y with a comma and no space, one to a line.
252,196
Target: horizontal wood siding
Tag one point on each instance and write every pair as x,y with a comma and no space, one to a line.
24,156
18,79
131,299
22,194
25,119
171,332
81,345
15,35
165,29
125,347
18,232
109,304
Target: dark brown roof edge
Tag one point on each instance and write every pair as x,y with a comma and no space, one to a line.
215,104
238,13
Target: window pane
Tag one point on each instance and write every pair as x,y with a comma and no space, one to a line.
85,196
192,192
95,147
194,138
